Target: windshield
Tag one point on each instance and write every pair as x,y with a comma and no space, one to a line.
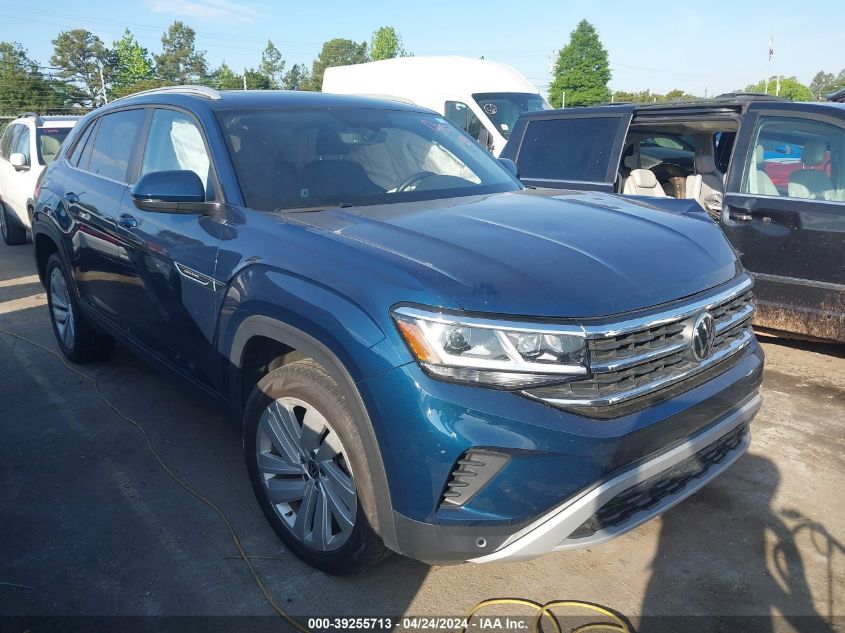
504,108
50,139
287,159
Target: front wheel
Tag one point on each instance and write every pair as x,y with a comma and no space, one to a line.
77,338
307,466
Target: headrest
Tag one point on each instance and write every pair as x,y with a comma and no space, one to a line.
704,164
759,157
49,147
814,153
644,178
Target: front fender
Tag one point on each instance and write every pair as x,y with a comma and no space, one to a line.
319,312
325,326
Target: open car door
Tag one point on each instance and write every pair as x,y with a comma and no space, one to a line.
574,148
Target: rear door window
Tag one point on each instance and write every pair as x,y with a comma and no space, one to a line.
797,158
115,141
574,149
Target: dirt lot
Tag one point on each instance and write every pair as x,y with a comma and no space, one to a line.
91,525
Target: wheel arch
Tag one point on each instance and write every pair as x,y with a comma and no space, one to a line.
294,344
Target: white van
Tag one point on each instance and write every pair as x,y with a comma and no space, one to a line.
483,97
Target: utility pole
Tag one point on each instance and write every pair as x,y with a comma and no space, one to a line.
103,84
244,78
563,105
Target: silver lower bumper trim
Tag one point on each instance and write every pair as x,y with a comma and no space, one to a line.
551,531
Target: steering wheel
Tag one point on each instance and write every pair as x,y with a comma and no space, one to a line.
414,179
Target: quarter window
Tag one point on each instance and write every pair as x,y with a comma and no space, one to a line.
176,143
80,147
114,143
797,158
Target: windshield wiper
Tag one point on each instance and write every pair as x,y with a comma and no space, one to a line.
314,209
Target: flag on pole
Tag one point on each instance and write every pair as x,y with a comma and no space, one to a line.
771,47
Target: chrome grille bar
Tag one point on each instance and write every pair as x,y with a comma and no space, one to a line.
639,356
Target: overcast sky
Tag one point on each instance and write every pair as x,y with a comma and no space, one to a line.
715,46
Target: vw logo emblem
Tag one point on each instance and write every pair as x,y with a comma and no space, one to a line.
703,336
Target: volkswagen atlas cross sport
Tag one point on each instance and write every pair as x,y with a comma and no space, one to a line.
423,355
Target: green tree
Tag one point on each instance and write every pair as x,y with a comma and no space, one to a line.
132,64
23,87
336,52
180,62
85,62
386,44
297,78
257,80
140,86
824,84
224,78
790,88
582,70
272,64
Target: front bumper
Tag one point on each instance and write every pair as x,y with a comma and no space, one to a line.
559,529
562,468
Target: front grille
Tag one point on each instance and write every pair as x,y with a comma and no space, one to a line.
645,357
647,494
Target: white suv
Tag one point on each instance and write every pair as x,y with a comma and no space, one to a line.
27,145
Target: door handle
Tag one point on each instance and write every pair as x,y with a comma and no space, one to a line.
128,221
71,197
740,215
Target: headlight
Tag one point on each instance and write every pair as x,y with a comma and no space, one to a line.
507,354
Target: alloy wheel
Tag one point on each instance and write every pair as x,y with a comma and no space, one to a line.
306,474
62,311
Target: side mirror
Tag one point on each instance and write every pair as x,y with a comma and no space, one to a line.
19,161
508,164
177,191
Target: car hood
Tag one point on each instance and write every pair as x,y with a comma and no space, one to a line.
544,253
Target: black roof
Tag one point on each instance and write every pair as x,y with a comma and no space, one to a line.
282,99
838,96
730,104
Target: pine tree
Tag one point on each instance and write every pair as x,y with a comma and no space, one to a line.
582,70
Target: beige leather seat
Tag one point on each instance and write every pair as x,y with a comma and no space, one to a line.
642,182
811,183
49,148
707,184
758,180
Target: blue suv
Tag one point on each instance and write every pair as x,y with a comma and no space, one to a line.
424,355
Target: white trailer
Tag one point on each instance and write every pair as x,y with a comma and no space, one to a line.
483,97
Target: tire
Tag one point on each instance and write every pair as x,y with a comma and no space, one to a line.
79,341
306,462
14,233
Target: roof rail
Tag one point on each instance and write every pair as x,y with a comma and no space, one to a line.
31,115
197,91
748,96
